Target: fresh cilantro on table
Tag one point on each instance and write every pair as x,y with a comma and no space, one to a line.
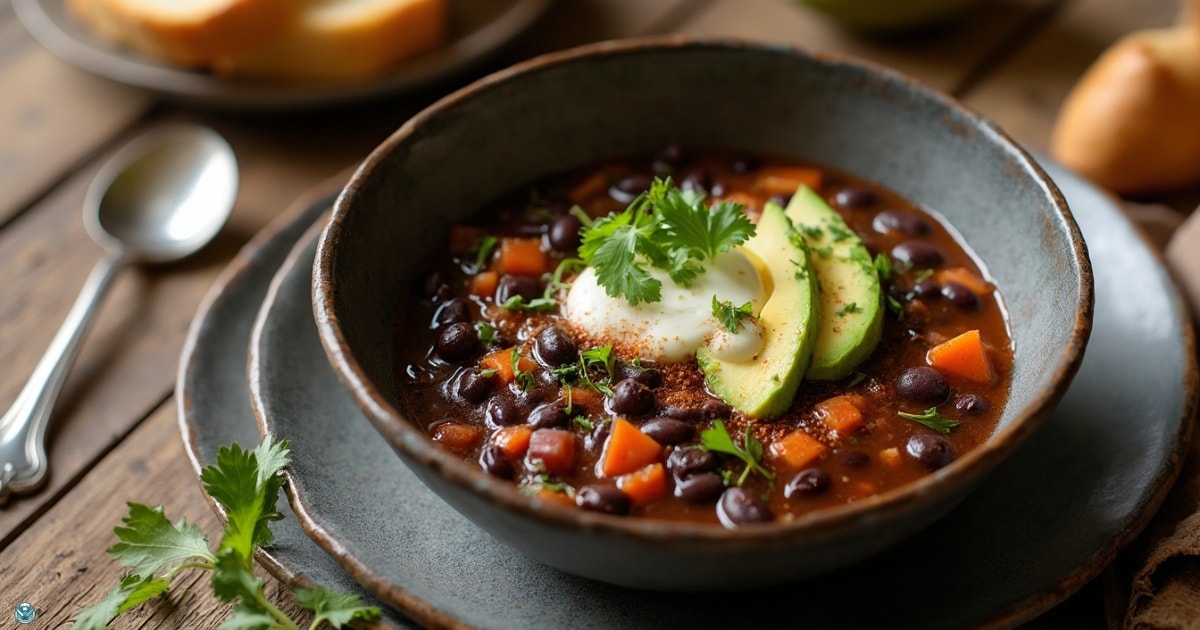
731,316
717,439
932,419
666,228
246,483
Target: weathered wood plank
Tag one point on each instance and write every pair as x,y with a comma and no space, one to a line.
1023,94
943,57
62,566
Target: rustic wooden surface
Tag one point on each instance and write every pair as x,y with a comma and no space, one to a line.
114,437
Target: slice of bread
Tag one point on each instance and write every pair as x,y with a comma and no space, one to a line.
278,39
344,40
189,33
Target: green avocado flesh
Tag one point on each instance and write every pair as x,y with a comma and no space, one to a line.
766,385
850,297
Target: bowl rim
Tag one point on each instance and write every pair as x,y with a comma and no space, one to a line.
824,524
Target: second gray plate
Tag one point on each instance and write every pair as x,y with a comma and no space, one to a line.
1042,525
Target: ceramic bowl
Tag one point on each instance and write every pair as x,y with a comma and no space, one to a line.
619,98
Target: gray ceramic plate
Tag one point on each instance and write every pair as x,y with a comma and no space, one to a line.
479,27
1035,531
213,396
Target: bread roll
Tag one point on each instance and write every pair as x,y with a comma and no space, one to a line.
343,39
1132,123
188,33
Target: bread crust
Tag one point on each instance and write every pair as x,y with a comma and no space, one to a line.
1132,122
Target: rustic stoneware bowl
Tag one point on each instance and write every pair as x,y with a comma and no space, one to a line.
613,99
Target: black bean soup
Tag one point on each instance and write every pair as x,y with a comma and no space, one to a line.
489,366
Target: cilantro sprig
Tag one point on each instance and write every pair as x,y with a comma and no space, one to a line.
246,483
665,228
730,316
932,419
717,439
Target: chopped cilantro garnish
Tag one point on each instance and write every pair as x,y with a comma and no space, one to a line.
717,439
731,316
666,228
485,331
883,266
584,422
524,379
483,249
852,307
932,419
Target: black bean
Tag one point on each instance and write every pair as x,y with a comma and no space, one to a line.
690,414
554,347
918,254
927,289
631,398
853,459
739,506
931,451
960,296
549,416
684,462
697,181
971,404
452,311
806,482
457,342
528,287
596,438
781,200
923,384
745,163
900,221
669,431
433,285
648,376
564,233
629,187
604,499
702,487
856,197
713,409
501,411
493,461
473,386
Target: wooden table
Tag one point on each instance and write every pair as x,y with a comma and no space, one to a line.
114,436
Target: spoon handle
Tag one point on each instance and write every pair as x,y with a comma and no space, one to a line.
23,461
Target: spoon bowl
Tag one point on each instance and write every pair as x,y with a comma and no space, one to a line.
158,199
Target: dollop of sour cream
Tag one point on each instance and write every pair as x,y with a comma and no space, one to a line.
674,328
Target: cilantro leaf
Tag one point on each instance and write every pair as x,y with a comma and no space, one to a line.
232,578
932,419
248,491
338,609
524,378
247,617
666,228
97,616
149,543
717,439
483,249
731,316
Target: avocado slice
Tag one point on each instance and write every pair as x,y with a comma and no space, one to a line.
766,385
848,288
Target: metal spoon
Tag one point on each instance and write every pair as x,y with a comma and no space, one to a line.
159,199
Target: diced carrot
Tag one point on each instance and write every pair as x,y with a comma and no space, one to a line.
965,277
513,441
863,489
797,450
556,496
842,413
522,257
459,438
644,485
501,362
963,356
595,184
784,180
628,449
890,456
483,284
554,448
750,204
463,238
586,399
